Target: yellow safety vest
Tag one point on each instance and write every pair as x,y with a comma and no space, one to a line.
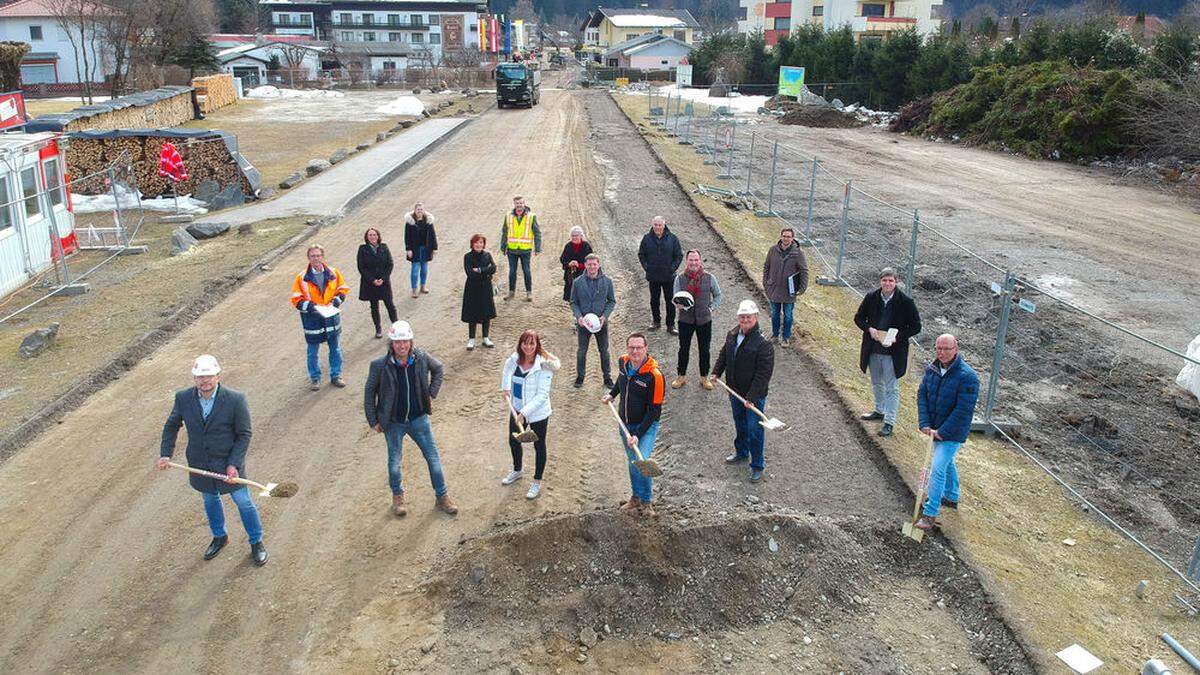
520,231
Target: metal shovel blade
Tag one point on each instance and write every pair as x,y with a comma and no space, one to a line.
773,424
913,532
648,468
267,489
527,436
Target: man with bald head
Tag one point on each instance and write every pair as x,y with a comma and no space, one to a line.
945,404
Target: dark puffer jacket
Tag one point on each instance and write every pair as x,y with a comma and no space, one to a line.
946,403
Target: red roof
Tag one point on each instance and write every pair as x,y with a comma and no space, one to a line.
250,37
32,8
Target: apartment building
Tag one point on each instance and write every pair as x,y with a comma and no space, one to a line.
605,27
868,19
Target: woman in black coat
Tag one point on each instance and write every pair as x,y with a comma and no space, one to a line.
572,258
479,304
375,266
420,243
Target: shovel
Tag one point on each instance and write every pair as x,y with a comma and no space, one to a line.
910,528
525,434
647,467
769,423
268,490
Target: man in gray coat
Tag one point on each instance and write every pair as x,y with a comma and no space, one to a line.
218,428
785,275
592,293
397,401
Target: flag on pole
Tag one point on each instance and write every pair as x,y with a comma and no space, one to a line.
493,35
170,164
481,22
508,35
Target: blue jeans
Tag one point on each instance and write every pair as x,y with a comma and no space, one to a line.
642,485
246,508
422,434
524,259
943,477
418,268
335,358
748,440
784,308
885,386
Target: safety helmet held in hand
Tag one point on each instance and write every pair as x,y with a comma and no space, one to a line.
592,323
683,300
400,330
747,307
206,364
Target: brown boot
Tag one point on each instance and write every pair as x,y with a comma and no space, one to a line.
630,505
678,382
398,506
648,511
446,505
424,289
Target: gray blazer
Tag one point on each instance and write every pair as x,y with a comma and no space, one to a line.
214,443
379,394
584,301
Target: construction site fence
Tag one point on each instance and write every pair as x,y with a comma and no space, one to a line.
1055,376
107,214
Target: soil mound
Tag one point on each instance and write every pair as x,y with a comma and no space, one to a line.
820,116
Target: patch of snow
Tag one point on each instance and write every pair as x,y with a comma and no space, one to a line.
269,91
1058,284
648,20
404,105
105,202
739,103
864,114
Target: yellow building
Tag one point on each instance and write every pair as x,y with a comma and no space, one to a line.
605,27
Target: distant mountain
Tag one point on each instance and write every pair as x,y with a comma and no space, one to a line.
1165,9
558,10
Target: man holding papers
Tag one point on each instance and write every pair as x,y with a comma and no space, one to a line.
888,318
318,293
785,275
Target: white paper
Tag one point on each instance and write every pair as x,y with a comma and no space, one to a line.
1079,659
890,338
327,311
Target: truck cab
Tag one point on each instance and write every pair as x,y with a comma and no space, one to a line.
517,84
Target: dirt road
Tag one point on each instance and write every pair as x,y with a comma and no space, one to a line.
100,565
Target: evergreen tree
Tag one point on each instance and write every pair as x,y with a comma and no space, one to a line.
1035,43
1014,28
1173,52
893,62
197,54
1009,55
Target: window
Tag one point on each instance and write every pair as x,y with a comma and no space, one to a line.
395,37
783,23
369,36
389,65
741,13
6,219
819,10
368,19
474,28
35,32
435,38
873,10
393,19
681,35
347,36
54,181
29,189
630,36
346,18
417,20
417,38
283,19
434,20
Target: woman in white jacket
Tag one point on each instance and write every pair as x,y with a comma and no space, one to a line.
526,382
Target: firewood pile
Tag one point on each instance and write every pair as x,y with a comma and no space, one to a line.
160,108
205,156
215,91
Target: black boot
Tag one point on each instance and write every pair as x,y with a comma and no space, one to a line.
258,553
215,547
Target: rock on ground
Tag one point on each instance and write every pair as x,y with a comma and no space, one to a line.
291,181
207,230
316,166
181,241
38,341
338,156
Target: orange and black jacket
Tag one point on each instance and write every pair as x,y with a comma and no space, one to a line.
306,294
641,395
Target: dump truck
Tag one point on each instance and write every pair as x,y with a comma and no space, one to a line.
517,84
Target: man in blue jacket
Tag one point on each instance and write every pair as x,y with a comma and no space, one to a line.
945,405
660,255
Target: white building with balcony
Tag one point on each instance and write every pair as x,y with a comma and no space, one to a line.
868,19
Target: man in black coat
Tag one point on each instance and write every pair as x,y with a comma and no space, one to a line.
218,428
748,360
881,311
660,255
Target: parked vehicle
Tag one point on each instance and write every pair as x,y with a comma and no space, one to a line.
517,84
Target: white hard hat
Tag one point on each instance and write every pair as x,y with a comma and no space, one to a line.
206,364
592,323
400,330
684,300
747,307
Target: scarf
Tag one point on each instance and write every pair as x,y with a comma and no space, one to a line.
577,247
693,282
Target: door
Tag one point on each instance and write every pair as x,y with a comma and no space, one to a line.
249,75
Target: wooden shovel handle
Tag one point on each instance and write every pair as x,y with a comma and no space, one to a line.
219,476
520,427
922,490
744,401
637,451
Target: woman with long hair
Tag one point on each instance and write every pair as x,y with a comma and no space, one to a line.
478,304
375,266
525,381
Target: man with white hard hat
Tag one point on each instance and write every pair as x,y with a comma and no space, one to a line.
592,293
747,360
696,294
397,400
218,428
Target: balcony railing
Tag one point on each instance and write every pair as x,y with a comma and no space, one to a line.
877,24
343,25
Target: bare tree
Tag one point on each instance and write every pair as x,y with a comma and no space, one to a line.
78,20
523,10
1165,116
123,31
727,68
293,60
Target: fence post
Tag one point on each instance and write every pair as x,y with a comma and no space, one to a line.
770,212
122,238
713,149
812,194
728,173
910,276
998,355
750,163
65,286
837,279
687,138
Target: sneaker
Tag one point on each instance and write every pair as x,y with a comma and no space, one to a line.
656,325
785,343
706,383
314,385
338,382
534,490
678,382
756,475
512,477
926,523
528,296
672,331
736,458
578,384
470,344
487,342
886,430
873,416
378,333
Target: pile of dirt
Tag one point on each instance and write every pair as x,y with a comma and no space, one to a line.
820,116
